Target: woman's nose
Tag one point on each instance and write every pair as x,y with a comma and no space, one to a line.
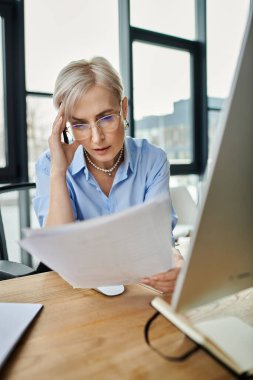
96,134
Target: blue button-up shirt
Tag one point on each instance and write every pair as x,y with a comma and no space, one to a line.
142,176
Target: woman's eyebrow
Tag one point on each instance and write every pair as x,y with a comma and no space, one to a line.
75,119
100,114
104,112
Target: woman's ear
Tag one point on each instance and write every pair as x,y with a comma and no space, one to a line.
124,107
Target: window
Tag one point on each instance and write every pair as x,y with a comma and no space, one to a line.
59,31
225,32
162,96
167,79
176,18
40,116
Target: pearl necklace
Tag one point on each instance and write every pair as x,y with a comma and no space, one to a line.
108,171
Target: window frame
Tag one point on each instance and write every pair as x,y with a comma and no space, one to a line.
197,50
16,169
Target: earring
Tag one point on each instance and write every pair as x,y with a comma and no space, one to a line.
126,124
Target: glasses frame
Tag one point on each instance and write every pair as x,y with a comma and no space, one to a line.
91,125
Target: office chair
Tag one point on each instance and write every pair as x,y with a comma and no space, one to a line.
186,210
10,269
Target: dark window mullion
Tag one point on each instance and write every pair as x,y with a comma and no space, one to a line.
143,35
37,93
217,109
7,172
201,126
14,93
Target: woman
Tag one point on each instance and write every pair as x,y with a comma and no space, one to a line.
102,171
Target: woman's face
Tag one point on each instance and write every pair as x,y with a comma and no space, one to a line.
102,146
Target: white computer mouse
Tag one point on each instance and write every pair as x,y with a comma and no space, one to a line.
113,290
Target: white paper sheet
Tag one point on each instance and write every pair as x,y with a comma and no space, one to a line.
117,249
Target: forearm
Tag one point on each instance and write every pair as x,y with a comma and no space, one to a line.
60,209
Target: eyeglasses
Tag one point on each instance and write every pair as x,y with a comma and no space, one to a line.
107,124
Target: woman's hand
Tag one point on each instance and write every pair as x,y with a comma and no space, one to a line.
60,208
61,153
166,281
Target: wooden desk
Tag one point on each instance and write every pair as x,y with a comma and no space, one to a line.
81,334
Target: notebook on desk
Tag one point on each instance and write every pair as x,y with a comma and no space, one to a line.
228,338
14,320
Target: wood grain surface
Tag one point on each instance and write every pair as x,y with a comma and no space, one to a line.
82,334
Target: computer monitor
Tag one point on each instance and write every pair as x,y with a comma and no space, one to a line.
220,259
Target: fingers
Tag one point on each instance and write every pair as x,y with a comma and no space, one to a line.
164,282
179,260
61,153
59,122
71,148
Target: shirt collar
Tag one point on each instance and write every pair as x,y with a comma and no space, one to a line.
128,157
78,163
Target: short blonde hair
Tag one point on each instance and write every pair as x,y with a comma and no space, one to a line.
75,79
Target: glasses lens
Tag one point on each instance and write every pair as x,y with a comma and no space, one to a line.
109,122
80,131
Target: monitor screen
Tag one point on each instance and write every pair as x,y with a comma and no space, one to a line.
220,259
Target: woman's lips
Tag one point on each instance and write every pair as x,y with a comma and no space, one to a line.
102,150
